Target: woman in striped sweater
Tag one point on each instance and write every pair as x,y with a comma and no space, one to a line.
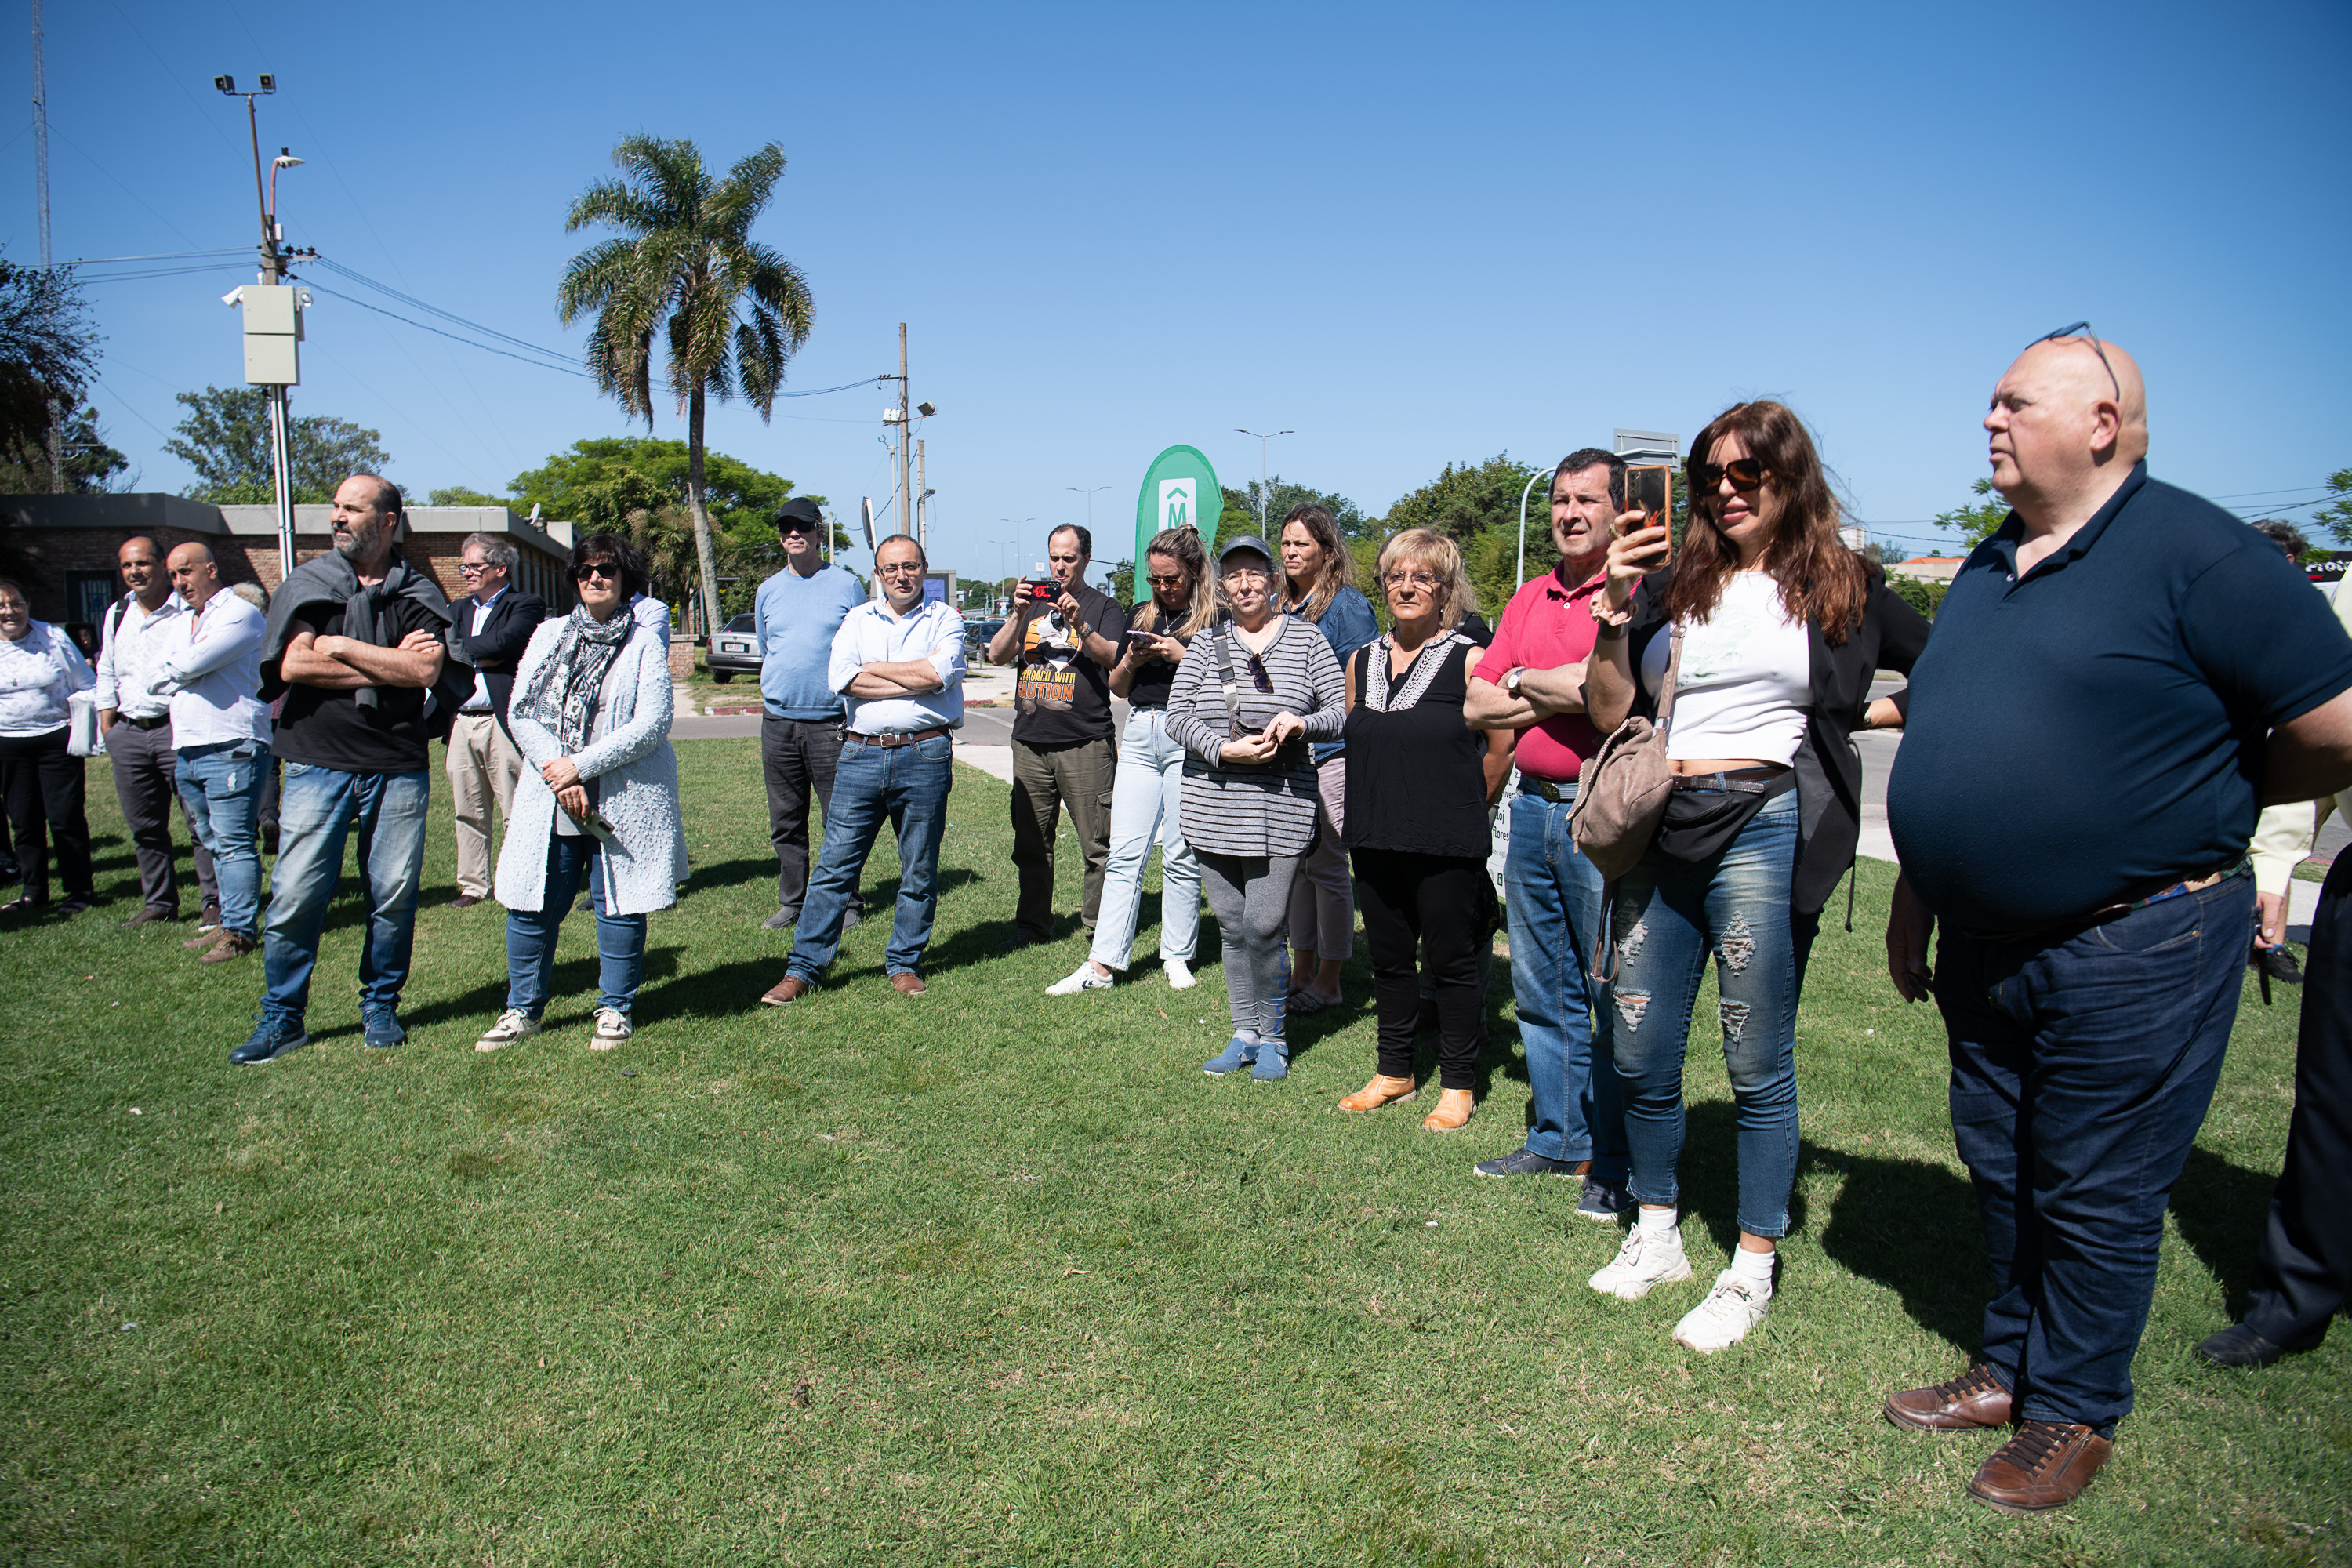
1252,695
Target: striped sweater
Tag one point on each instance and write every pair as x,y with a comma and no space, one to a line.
1252,811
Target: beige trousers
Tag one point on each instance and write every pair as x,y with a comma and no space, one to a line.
483,764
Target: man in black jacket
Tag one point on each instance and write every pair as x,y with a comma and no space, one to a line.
490,632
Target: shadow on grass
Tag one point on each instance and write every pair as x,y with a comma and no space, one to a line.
1910,1226
2223,1209
574,985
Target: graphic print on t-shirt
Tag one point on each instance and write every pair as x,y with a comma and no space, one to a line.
1049,676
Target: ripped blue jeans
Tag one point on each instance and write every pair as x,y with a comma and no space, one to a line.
1669,915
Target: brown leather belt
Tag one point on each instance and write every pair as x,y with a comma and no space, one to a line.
2156,895
905,739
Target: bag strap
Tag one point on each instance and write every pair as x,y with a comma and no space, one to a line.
1666,686
1232,686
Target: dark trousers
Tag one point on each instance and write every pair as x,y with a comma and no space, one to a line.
2082,1065
1447,904
42,783
2304,1273
146,786
1044,780
799,757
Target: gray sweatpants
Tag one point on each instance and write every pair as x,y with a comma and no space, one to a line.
1250,896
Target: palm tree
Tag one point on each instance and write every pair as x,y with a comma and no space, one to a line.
734,311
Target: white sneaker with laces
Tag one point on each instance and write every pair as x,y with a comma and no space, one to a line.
613,1026
1648,1259
1085,977
514,1025
1731,1309
1179,973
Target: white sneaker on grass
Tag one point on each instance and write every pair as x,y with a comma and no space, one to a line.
1085,977
514,1025
1179,973
613,1026
1648,1259
1731,1309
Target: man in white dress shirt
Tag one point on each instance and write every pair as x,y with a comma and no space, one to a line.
208,669
137,728
492,629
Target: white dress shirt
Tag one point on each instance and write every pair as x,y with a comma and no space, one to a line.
36,674
210,672
126,660
870,634
480,700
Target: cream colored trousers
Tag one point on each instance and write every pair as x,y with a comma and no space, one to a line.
483,764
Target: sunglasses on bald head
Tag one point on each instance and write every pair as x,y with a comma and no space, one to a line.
2092,338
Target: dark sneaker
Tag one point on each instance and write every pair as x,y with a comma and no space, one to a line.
1605,1203
2239,1345
851,919
73,905
2279,962
782,919
209,922
384,1030
271,1038
1524,1163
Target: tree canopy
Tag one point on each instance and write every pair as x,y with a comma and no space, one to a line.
1240,515
48,356
225,437
1980,519
2335,517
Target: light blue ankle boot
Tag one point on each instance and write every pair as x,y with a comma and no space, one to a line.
1238,1053
1272,1063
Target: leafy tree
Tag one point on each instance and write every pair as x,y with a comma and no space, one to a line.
733,309
2336,515
1980,519
459,495
48,355
89,464
1469,499
225,437
1924,598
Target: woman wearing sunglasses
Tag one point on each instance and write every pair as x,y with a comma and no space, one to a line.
1419,782
1147,791
598,799
1252,694
1772,628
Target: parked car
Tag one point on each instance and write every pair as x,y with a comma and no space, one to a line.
975,637
735,649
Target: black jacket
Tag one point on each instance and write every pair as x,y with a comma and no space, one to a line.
1828,764
499,649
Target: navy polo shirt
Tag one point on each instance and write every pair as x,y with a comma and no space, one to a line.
2098,726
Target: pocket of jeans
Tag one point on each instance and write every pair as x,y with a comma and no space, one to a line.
296,769
935,748
2178,923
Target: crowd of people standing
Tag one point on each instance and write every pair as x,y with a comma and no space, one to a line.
1298,766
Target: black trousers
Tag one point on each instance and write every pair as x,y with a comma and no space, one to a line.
147,787
1445,905
42,783
2304,1273
798,757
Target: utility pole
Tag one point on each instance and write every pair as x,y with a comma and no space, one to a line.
922,501
273,271
1263,438
41,190
905,513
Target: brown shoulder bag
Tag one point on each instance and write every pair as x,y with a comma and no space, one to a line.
1621,795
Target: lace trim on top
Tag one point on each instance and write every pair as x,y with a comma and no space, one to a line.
1377,695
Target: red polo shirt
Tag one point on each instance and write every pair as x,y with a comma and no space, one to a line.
1544,626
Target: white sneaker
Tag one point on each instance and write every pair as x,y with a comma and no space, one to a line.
612,1028
1648,1259
1179,973
512,1025
1731,1309
1083,978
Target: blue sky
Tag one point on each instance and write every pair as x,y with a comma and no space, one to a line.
1412,236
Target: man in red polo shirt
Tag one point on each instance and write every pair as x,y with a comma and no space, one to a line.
1531,679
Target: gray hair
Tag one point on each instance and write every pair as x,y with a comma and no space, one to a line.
2285,535
495,550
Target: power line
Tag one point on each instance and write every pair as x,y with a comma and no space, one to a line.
487,348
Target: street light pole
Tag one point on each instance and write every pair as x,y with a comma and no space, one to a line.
273,270
1263,438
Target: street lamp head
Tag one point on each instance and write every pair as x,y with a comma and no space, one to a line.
285,159
268,82
927,409
225,83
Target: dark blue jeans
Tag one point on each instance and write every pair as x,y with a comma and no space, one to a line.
1553,894
2082,1065
905,786
315,819
531,934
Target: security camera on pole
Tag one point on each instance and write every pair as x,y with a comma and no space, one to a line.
273,320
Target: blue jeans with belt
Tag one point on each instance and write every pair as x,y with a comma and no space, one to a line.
1553,894
905,786
220,786
531,934
2082,1062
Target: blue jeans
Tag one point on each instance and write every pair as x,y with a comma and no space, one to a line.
220,785
1553,895
1669,915
907,786
315,811
1145,796
531,935
2082,1065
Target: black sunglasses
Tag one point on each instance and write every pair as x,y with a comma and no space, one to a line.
2093,338
1746,474
1264,682
587,569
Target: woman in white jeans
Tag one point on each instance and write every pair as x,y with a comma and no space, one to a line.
1148,789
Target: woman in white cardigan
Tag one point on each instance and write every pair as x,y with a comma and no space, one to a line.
591,715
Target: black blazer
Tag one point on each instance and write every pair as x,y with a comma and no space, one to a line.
1828,764
499,649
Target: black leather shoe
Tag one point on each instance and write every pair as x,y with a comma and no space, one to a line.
2239,1345
2279,962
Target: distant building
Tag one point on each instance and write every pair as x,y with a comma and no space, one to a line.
1928,568
70,543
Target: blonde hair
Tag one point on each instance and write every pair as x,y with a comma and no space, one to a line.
1442,558
1181,545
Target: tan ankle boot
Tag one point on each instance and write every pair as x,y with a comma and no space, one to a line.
1380,1091
1454,1107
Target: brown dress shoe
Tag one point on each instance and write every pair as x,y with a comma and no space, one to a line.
1382,1091
2045,1466
148,916
1973,1399
1454,1107
791,988
232,945
908,983
465,901
204,943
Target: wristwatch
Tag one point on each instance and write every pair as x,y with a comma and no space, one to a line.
1511,680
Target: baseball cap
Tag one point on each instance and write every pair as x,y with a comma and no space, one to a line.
798,515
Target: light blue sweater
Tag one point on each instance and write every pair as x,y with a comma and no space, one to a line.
795,617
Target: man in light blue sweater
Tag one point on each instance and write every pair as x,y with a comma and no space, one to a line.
796,613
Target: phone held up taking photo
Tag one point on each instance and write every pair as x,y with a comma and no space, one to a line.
1650,489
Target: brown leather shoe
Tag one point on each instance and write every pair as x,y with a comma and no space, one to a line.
1454,1107
1381,1091
204,943
1973,1399
148,916
2045,1466
791,988
232,946
465,901
908,983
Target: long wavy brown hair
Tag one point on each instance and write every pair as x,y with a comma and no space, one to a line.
1181,545
1821,580
1311,599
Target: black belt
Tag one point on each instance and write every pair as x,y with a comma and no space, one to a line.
157,722
476,712
1544,789
904,738
1740,781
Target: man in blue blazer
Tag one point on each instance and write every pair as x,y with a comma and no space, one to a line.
489,631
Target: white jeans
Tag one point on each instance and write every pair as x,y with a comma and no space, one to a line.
1146,793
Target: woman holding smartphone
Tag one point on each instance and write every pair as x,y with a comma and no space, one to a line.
1147,791
1771,629
599,798
1252,694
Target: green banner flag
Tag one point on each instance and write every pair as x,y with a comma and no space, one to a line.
1179,490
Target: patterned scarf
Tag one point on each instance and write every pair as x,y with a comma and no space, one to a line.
562,694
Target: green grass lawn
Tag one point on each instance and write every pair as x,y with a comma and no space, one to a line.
985,1276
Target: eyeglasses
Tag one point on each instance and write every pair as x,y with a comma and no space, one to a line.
2093,338
471,569
610,570
1248,574
1421,580
1747,475
902,569
1264,681
1173,579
